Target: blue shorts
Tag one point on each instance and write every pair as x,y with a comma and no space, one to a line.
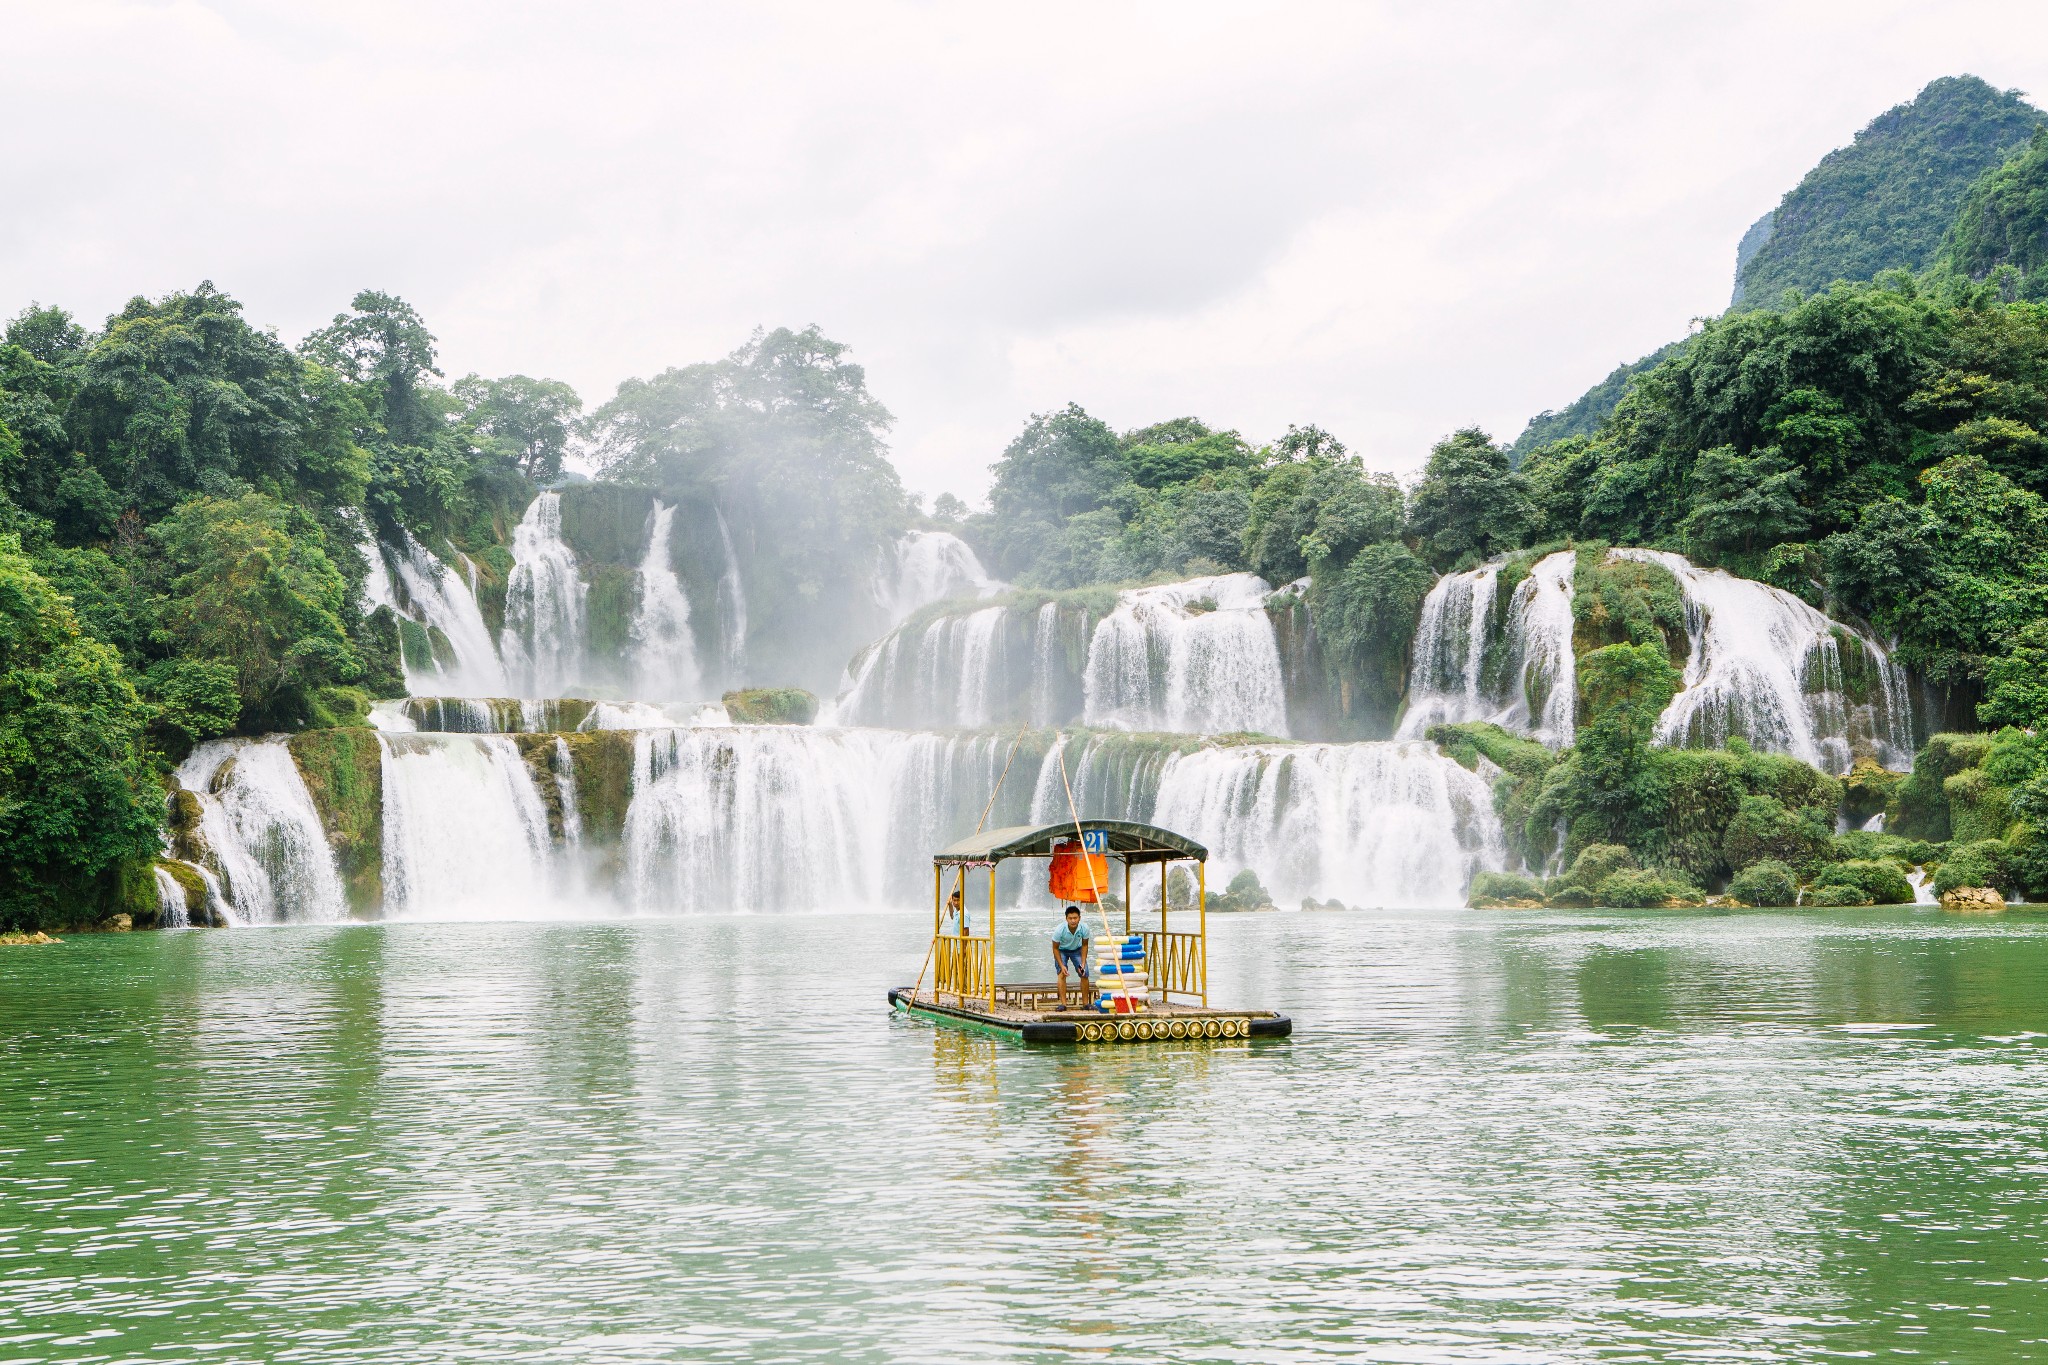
1072,957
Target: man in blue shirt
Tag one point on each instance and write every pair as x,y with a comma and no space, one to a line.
1070,949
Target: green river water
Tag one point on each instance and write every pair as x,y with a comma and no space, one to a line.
1635,1136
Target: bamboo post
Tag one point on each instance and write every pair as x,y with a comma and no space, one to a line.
991,937
1202,922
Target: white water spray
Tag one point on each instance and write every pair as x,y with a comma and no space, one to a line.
263,833
664,650
1768,667
1199,657
542,642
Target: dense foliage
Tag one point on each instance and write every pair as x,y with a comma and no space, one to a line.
1885,201
183,496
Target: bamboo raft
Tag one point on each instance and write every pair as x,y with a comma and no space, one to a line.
1170,1000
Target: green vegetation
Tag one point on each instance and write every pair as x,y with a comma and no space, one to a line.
181,497
1766,883
771,706
1885,201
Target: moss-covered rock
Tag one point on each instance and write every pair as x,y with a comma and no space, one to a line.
1868,790
344,773
771,706
1646,888
603,763
192,887
1626,602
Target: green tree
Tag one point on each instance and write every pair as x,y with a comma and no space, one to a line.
2016,683
252,589
77,795
1743,502
1061,465
1469,503
525,422
1622,691
1366,615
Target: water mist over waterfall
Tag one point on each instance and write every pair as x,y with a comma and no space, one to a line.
1768,667
1198,657
732,607
664,650
542,642
923,567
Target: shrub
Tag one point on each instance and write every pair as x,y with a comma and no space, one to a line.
1597,862
1882,880
1764,828
1983,863
1865,843
1836,897
1767,883
1637,888
1922,806
1491,888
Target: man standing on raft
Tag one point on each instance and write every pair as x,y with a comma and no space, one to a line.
1070,948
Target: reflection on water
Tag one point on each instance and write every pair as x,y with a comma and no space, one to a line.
1494,1137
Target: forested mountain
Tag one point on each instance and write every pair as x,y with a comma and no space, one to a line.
1925,184
1885,201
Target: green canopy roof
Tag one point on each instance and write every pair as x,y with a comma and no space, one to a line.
1128,840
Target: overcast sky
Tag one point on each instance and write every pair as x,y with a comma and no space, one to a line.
1390,220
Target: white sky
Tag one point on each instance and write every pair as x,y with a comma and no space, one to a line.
1388,219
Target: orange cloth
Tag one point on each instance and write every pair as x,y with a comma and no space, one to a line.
1076,875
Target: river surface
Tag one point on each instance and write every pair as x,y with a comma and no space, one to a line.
1613,1136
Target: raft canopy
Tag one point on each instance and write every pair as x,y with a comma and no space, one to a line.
1125,839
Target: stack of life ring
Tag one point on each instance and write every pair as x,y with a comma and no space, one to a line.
1121,983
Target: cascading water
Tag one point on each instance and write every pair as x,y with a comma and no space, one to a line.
458,657
925,567
1198,657
262,833
1768,667
170,901
1376,824
732,607
664,650
542,642
1523,677
465,831
784,817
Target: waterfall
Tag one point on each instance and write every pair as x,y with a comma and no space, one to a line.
1450,650
732,608
664,651
1199,657
1768,667
1388,824
1923,890
465,831
456,654
925,567
542,642
782,817
1045,643
263,833
564,768
170,901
